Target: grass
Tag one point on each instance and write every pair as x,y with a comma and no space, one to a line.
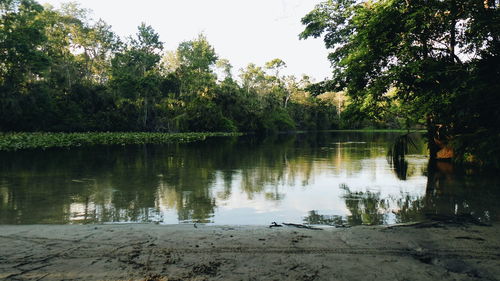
20,141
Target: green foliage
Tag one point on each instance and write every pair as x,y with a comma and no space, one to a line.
19,141
277,121
22,34
314,114
203,115
197,57
440,59
61,71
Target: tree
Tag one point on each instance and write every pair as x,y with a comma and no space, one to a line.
99,44
225,66
277,65
432,51
170,62
22,58
135,72
22,34
197,57
254,78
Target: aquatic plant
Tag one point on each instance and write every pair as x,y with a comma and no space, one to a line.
19,141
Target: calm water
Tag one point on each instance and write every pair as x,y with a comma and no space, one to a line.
323,178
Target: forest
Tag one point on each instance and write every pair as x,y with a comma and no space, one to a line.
411,64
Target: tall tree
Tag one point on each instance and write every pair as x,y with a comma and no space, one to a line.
253,78
135,72
22,58
277,65
22,36
98,43
197,58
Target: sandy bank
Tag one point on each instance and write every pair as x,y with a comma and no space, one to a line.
183,252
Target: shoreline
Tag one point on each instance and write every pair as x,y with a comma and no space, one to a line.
186,252
19,141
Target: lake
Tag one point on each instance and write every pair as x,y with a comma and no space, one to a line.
329,178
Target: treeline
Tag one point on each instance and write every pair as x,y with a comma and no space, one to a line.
61,71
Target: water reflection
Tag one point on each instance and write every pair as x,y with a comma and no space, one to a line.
324,178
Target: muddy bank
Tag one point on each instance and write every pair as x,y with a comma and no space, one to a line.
183,252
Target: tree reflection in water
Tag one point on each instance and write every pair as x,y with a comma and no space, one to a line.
461,195
191,182
368,208
452,196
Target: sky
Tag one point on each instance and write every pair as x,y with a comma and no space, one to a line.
243,32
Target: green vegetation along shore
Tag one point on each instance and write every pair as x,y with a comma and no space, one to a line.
19,141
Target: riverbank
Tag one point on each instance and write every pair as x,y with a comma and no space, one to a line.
20,141
186,252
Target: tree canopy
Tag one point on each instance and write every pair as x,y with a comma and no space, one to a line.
61,70
432,62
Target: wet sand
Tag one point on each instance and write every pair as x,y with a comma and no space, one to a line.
183,252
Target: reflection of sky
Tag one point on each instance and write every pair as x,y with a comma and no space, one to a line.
298,178
282,180
322,194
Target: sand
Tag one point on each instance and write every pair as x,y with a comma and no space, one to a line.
185,252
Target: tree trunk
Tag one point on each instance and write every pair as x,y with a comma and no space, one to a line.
287,98
431,137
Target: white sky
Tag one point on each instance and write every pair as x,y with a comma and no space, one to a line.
242,31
